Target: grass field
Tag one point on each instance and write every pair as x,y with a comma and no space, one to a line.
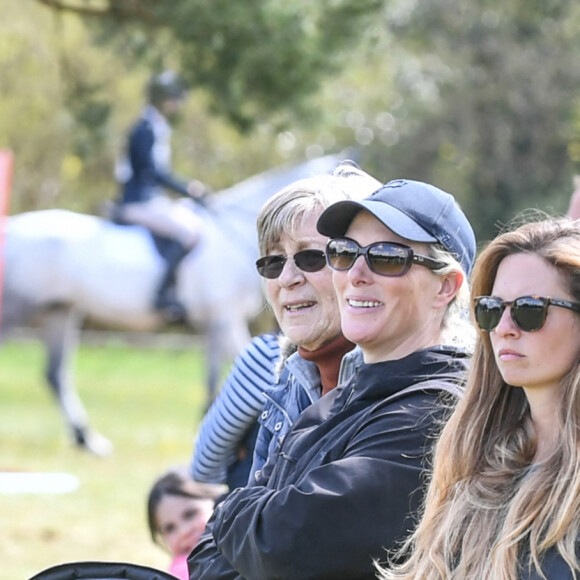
147,402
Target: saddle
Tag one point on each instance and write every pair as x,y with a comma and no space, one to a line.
109,210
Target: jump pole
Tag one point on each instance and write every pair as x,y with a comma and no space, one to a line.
6,168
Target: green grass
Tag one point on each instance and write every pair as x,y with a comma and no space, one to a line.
147,402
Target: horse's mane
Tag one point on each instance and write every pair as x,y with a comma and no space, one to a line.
252,193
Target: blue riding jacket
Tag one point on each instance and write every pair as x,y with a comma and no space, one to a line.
146,167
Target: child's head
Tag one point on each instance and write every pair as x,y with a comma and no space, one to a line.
178,509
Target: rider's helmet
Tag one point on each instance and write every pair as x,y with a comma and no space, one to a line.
164,86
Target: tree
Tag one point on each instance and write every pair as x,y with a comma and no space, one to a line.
257,58
487,93
478,97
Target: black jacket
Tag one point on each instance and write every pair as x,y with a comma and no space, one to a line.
553,566
344,483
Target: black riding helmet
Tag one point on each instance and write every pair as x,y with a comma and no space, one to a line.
164,86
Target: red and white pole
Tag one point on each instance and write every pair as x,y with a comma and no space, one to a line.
6,167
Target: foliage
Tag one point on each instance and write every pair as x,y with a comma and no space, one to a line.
66,103
54,107
480,98
489,90
255,58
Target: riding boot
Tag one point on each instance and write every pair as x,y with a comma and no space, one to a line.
166,299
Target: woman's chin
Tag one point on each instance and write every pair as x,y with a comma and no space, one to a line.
359,334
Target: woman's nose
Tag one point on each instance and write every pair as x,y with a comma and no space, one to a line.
359,271
506,324
291,274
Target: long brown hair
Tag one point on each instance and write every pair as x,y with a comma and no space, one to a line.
487,511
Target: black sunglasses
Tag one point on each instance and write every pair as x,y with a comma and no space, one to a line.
383,258
307,260
529,313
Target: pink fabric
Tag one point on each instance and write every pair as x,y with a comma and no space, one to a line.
179,567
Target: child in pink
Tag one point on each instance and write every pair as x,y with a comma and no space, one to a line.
178,509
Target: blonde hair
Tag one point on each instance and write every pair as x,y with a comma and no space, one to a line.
284,212
487,511
457,329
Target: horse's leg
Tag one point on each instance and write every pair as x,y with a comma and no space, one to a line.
61,330
225,339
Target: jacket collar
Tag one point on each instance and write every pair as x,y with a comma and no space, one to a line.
382,379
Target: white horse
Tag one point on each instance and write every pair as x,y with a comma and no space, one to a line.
61,266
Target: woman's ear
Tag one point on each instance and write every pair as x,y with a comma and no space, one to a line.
450,286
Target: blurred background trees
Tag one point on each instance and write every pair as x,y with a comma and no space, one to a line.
479,97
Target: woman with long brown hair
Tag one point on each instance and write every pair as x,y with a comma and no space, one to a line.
504,499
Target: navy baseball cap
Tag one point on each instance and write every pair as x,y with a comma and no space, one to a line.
414,210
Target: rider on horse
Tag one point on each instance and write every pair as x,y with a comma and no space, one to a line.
145,170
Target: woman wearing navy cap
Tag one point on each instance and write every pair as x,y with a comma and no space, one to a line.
349,475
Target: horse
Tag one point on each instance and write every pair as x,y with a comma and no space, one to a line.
61,266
